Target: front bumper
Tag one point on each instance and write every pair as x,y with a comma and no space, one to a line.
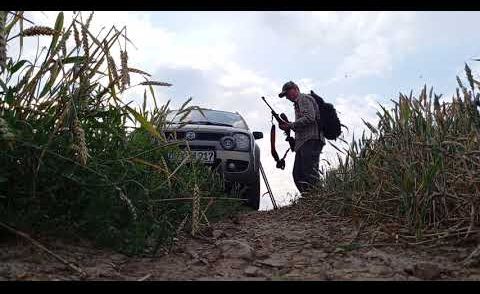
207,138
243,171
244,168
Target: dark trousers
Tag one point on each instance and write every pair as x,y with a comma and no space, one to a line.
305,168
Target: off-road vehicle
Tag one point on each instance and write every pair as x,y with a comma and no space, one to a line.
222,140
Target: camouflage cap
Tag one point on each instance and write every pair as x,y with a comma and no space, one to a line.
287,86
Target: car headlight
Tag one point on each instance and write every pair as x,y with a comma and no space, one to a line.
242,141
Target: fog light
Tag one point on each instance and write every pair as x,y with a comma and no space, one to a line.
231,166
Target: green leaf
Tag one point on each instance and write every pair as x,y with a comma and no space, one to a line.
153,95
50,82
21,38
370,126
386,112
144,106
47,88
9,97
73,59
143,122
4,86
17,66
3,180
186,103
58,30
18,16
9,63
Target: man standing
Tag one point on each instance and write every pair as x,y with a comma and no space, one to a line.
308,141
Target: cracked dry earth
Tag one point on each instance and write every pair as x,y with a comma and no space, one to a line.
272,245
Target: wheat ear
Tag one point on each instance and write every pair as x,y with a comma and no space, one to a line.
125,77
85,41
76,34
80,145
155,83
3,41
134,70
195,210
38,31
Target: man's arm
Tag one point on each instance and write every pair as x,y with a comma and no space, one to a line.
307,110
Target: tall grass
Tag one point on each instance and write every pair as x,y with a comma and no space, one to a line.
417,169
74,158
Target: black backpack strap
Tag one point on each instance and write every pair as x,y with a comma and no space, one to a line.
317,98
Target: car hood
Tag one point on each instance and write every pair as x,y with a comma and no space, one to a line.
205,128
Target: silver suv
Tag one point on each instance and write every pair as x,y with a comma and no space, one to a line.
222,140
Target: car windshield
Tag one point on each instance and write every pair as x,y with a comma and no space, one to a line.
209,117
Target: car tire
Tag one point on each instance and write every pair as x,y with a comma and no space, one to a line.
253,193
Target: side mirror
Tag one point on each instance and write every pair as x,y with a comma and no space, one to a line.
257,135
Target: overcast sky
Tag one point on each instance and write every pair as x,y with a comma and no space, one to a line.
228,60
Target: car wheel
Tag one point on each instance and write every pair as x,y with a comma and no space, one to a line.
253,193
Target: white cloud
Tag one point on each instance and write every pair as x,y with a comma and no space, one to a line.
375,53
362,43
306,83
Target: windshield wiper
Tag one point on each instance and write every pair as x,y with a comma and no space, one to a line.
208,123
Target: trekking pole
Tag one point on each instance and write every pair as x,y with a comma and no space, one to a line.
268,187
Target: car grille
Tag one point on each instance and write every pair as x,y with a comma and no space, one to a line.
202,136
197,148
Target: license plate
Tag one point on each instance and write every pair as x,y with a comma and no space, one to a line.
203,156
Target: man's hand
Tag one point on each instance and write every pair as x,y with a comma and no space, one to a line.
284,126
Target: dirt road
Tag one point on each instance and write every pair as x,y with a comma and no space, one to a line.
272,245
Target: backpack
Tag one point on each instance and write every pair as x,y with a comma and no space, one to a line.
328,122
